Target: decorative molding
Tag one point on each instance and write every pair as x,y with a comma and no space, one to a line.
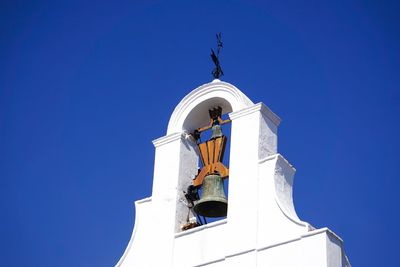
267,158
147,199
167,139
275,156
261,107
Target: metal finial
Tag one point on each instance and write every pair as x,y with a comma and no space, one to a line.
217,71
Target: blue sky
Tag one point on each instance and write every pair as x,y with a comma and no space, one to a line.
86,86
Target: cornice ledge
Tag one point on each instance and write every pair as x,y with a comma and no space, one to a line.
277,244
201,228
144,200
279,156
259,107
302,236
167,139
268,158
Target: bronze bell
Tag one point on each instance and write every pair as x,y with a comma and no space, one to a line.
213,201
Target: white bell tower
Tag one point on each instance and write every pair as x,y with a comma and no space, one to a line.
261,227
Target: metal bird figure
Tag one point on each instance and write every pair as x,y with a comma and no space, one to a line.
217,71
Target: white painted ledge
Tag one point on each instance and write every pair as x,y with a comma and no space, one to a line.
201,228
288,241
259,107
167,139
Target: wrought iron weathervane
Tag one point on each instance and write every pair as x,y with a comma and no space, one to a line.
217,71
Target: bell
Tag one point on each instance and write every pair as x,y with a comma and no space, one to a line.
213,201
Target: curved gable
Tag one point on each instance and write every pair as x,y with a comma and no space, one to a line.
217,93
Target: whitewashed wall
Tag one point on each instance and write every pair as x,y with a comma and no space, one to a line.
262,227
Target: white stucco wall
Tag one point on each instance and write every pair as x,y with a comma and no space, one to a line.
262,227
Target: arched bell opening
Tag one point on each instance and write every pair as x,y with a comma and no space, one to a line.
207,194
199,115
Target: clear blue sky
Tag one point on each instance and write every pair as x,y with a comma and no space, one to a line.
86,86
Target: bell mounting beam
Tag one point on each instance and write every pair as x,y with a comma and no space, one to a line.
212,151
